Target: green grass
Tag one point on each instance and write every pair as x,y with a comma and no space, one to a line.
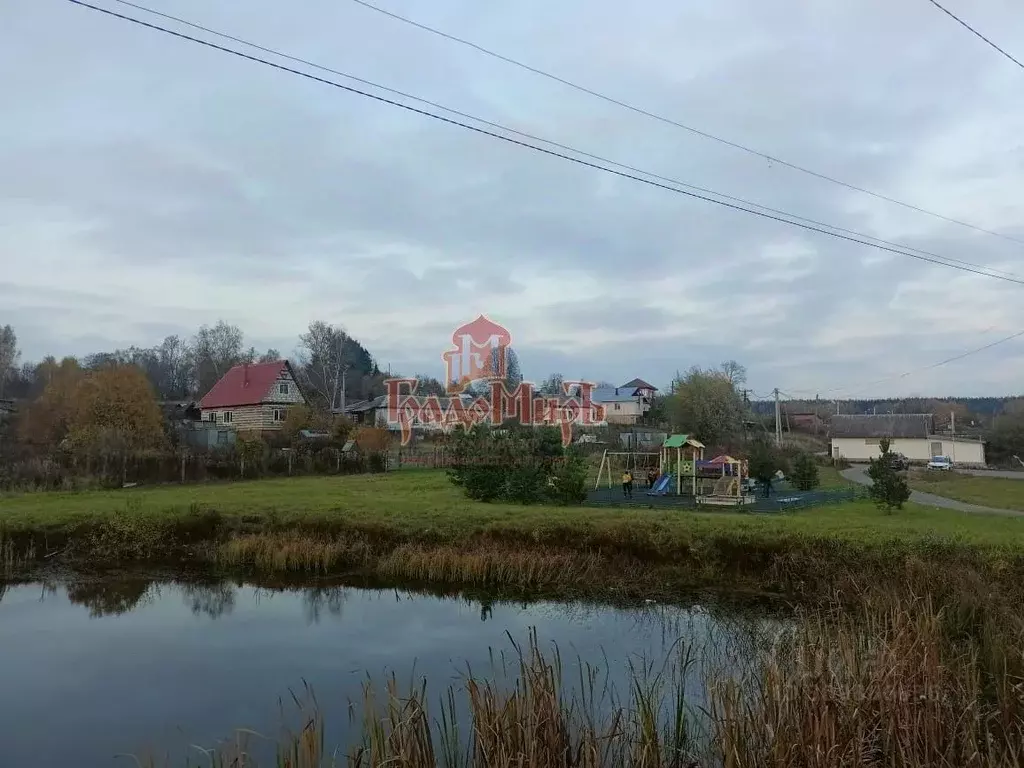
998,492
417,503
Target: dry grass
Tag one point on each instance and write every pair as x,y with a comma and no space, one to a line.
895,684
486,564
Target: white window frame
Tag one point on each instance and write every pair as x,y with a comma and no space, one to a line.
213,416
279,415
283,388
618,407
229,417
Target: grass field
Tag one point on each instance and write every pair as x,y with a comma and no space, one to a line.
418,502
999,492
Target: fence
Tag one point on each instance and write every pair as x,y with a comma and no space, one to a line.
68,473
792,500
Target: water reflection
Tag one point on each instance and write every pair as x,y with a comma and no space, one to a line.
109,598
213,600
130,665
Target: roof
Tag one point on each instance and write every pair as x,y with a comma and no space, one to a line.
678,441
244,385
902,425
638,384
613,395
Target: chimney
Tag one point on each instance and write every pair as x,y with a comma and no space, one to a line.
616,390
245,374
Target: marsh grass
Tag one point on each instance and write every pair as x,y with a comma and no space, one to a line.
892,684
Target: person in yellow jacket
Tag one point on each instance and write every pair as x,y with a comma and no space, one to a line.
627,484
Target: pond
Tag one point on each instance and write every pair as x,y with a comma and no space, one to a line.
96,669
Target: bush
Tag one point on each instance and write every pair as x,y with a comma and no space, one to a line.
568,482
514,463
805,472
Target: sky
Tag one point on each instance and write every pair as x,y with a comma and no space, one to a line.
149,186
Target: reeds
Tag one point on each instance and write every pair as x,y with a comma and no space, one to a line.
885,686
484,564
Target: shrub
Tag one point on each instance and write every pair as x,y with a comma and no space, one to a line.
568,482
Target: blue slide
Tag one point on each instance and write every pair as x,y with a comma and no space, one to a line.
661,487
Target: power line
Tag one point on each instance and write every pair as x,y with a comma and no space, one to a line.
857,389
963,24
669,121
782,216
533,137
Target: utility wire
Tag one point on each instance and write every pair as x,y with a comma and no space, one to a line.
782,216
672,122
549,142
857,389
963,24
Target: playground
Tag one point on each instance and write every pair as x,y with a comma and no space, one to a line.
679,476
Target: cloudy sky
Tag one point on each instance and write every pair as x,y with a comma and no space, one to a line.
149,185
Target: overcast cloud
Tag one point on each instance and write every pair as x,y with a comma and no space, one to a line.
148,185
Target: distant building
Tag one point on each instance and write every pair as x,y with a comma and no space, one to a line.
253,397
626,404
805,422
857,438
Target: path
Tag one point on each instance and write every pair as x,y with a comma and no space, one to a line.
858,474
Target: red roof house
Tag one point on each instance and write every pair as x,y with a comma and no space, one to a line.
253,397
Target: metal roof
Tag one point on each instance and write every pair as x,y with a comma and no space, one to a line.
902,425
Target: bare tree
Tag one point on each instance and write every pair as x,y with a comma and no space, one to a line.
214,351
735,373
321,357
8,355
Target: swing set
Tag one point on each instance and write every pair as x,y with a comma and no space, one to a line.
638,463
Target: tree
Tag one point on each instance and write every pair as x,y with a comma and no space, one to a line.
429,385
764,462
302,417
270,356
45,423
889,488
705,403
330,360
552,385
116,412
214,351
805,472
8,356
734,372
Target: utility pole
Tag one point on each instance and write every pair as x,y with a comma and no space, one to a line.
778,420
952,427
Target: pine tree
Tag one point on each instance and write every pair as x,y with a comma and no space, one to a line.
889,488
805,472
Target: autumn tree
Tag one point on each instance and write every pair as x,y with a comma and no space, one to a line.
115,412
47,420
705,403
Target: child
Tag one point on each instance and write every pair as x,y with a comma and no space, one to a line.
627,484
652,477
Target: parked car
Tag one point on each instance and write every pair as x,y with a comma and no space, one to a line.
940,462
899,462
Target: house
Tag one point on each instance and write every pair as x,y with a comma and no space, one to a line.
253,397
626,404
806,421
857,438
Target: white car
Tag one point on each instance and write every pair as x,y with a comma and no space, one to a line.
940,462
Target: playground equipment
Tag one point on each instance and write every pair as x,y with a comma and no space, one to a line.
679,455
637,462
726,474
